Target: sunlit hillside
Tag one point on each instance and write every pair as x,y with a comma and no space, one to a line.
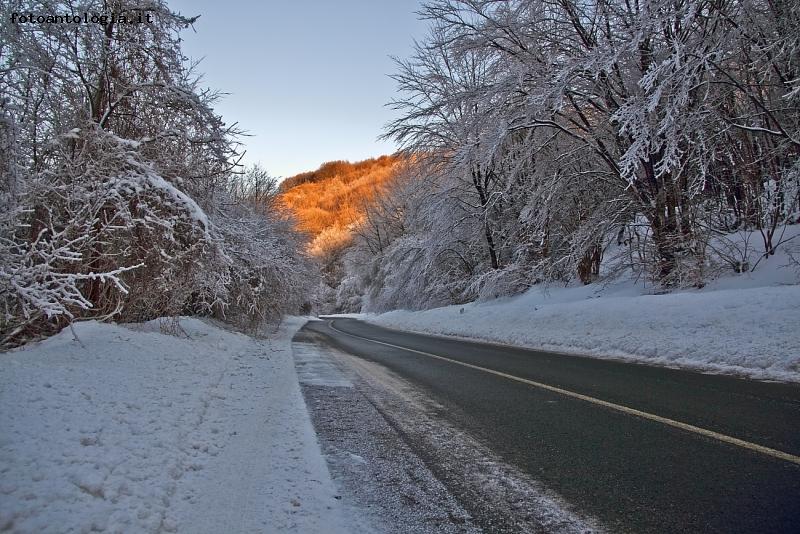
327,202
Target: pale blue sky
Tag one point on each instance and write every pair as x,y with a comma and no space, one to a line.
308,77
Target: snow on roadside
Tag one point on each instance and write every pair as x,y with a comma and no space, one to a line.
735,326
126,429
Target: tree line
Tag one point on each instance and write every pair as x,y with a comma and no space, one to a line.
564,140
121,196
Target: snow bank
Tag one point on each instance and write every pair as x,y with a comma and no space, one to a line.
126,429
740,325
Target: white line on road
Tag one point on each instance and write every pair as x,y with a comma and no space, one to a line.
618,407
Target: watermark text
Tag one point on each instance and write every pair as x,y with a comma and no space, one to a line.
142,17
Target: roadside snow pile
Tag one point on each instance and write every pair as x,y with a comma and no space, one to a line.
744,325
126,429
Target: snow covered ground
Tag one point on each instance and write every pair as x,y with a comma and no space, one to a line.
740,324
127,429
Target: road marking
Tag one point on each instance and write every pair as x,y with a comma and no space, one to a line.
618,407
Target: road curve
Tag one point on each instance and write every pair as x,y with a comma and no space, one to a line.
641,448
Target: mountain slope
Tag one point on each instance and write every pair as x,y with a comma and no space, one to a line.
327,202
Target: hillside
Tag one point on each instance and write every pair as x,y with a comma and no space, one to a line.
326,202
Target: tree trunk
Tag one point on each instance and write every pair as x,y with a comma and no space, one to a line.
477,181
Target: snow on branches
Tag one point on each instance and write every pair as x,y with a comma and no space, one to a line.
548,133
119,185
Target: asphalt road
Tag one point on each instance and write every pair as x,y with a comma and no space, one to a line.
640,448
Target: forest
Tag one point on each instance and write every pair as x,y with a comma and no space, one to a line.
571,142
121,197
540,142
331,208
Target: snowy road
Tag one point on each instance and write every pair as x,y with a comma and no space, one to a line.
534,441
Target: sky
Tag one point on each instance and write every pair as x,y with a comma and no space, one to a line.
308,79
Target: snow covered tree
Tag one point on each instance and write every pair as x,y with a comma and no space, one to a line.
579,123
117,177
